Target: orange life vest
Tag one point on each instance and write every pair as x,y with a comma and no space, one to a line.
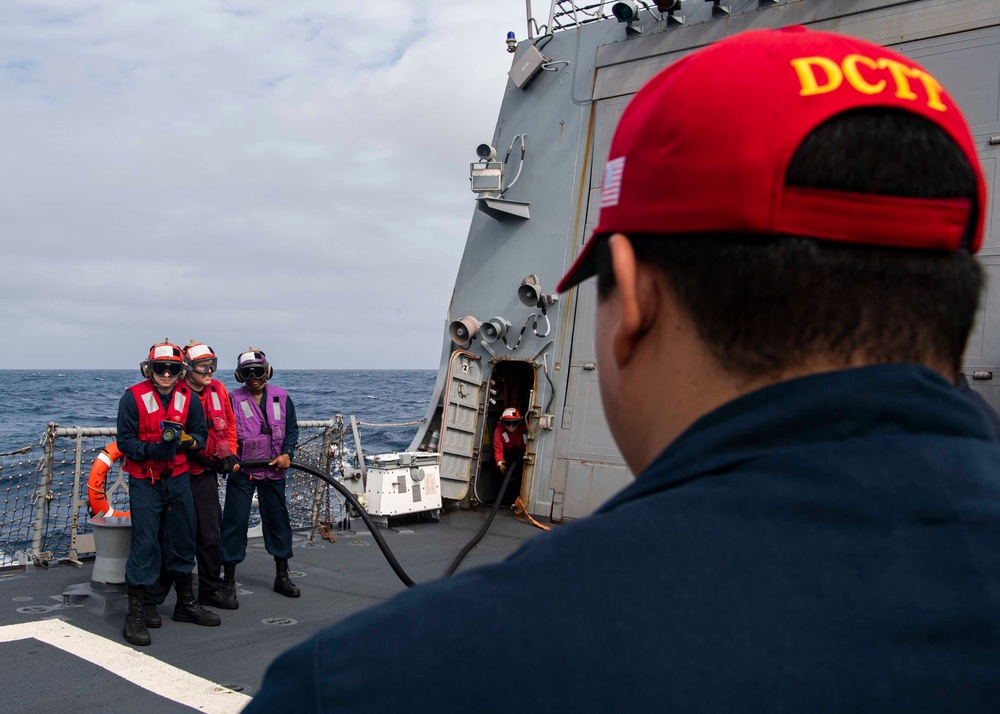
151,417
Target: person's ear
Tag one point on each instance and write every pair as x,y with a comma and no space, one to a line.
637,299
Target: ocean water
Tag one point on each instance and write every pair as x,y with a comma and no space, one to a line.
89,398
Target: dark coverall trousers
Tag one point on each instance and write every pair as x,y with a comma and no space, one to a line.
163,529
274,518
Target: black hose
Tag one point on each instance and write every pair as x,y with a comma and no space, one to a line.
482,531
383,546
393,563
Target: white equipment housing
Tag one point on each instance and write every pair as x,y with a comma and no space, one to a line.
402,483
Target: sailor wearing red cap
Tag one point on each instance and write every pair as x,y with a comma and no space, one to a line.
205,465
158,422
781,316
509,438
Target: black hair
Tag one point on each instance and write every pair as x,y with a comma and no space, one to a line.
763,304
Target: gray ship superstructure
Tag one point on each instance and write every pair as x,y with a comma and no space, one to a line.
536,183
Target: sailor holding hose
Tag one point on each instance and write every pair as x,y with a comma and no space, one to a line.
159,420
266,428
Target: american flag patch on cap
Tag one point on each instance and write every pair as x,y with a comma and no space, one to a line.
612,186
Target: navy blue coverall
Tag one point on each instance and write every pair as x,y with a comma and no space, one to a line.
163,518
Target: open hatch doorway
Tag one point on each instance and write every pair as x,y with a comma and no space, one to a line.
511,385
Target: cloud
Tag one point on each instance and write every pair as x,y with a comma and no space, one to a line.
292,175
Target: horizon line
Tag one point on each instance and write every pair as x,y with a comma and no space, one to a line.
283,369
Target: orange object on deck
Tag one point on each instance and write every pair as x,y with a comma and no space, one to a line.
96,496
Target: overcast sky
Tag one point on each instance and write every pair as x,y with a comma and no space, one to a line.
291,175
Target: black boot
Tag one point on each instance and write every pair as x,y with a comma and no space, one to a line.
151,616
218,598
134,629
224,597
281,582
187,608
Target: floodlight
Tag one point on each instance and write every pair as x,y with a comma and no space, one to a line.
625,10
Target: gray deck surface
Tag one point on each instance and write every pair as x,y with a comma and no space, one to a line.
336,579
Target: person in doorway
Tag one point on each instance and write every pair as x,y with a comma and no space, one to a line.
266,429
509,438
158,422
205,465
781,315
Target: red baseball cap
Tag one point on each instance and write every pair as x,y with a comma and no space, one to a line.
704,146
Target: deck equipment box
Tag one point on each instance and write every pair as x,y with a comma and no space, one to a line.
401,483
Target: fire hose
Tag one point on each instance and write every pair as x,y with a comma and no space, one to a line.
373,528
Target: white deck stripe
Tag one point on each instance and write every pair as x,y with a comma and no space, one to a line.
140,669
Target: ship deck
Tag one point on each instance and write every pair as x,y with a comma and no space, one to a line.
66,653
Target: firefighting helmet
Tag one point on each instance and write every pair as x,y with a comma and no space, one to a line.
200,358
164,358
253,363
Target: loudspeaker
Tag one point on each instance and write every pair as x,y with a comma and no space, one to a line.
530,291
462,331
495,329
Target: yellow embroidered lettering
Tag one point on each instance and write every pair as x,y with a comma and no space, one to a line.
820,75
805,68
932,88
899,72
854,78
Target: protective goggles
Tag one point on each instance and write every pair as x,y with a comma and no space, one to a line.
252,371
164,369
205,366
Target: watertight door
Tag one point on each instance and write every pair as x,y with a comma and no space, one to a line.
458,430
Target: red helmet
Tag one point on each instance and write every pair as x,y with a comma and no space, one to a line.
164,358
200,358
165,352
511,414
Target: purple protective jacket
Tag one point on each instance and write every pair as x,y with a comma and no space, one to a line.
253,424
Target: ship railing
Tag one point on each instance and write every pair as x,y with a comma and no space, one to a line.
569,14
45,516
